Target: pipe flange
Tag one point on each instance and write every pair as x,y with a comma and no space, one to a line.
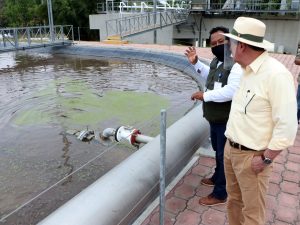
134,134
116,134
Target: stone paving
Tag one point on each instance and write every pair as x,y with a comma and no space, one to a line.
283,197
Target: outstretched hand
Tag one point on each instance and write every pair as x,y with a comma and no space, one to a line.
191,54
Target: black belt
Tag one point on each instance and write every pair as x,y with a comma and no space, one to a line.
238,146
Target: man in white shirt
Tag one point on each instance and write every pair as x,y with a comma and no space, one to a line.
221,84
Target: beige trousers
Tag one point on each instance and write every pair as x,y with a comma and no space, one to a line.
246,190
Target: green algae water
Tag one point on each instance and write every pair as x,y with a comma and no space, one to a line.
44,95
88,109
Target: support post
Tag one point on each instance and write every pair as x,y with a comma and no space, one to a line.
154,20
79,34
199,37
50,18
16,38
28,36
62,36
4,42
162,166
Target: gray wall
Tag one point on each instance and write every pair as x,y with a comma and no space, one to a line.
280,32
283,33
97,22
164,35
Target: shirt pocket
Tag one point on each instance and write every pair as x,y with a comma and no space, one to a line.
255,103
247,102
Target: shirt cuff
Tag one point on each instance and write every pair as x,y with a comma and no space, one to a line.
206,97
281,144
198,66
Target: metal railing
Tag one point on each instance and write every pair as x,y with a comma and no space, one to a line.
20,38
140,6
133,6
247,6
145,22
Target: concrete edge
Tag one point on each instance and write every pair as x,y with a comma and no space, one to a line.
202,151
169,188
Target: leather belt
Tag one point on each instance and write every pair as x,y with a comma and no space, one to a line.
238,146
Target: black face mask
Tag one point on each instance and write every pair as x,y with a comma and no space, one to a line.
218,51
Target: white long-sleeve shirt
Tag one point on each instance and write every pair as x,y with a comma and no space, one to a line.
225,93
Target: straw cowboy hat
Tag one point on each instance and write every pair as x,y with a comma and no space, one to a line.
250,31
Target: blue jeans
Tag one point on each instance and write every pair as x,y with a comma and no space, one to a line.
218,141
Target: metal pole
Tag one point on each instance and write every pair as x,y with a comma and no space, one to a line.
16,38
4,42
78,34
162,166
72,34
28,36
41,36
154,20
120,29
199,37
62,33
50,18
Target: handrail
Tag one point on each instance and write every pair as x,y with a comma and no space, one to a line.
292,6
144,22
248,6
16,38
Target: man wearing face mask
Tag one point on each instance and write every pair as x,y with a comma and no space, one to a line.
221,84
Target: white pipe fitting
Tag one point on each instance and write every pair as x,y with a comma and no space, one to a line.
133,136
108,132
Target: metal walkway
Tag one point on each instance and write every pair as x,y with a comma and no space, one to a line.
21,38
247,6
144,22
141,16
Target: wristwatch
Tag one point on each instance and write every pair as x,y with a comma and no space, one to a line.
266,160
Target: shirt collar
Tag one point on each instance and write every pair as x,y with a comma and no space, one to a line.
255,65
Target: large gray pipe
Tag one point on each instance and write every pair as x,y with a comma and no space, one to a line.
119,196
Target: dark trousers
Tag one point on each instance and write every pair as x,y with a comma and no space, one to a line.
218,141
298,103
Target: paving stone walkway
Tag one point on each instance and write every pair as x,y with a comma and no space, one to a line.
283,197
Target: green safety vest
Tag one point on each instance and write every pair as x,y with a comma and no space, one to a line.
217,112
